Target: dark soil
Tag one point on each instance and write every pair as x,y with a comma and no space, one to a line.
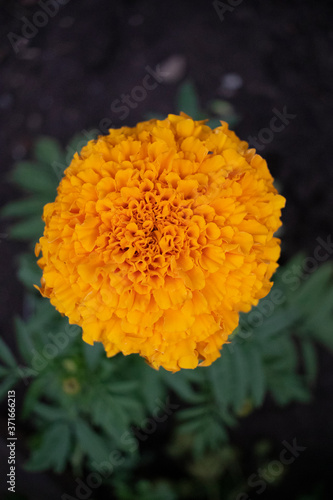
65,78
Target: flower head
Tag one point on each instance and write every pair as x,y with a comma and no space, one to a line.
159,236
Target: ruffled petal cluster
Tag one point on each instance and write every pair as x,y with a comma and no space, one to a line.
159,236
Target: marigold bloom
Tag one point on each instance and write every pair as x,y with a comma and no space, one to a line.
159,236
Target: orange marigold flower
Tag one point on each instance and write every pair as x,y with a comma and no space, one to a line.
159,236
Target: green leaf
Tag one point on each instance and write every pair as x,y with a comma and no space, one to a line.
213,123
53,450
279,357
62,450
190,426
288,387
123,387
318,321
311,292
48,150
35,178
240,377
30,229
151,386
221,107
3,371
59,169
225,111
310,360
218,374
209,436
109,416
77,143
24,208
90,442
49,413
23,339
256,374
150,115
279,321
93,354
188,102
32,395
223,377
43,316
193,413
29,273
7,384
6,355
181,386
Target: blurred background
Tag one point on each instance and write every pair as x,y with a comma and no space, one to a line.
69,67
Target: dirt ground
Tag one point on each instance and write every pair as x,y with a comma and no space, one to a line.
69,73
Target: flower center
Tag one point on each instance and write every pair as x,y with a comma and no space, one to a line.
148,233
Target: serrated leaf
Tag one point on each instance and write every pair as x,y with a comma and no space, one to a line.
25,373
193,426
310,360
49,413
53,450
4,370
287,387
24,342
280,358
110,417
90,442
318,322
240,378
7,384
208,436
62,450
195,412
218,374
93,354
256,374
6,355
323,334
43,315
181,386
279,321
223,387
32,395
311,292
151,387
